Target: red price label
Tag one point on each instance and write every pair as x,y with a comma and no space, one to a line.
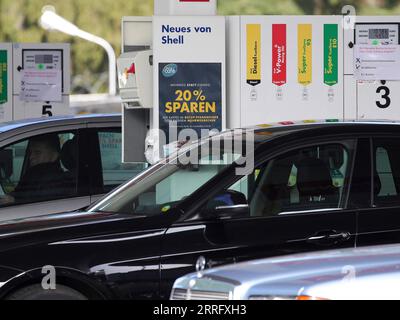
279,54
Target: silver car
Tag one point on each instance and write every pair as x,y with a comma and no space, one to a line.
369,273
83,163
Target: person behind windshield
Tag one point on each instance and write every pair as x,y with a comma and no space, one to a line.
43,177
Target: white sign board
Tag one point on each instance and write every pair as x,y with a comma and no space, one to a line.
35,66
189,73
41,75
41,86
378,100
377,62
371,98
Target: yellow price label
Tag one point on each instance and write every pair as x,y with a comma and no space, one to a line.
253,54
305,54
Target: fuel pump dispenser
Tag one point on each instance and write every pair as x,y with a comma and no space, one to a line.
213,72
34,81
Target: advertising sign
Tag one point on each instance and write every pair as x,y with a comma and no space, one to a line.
190,96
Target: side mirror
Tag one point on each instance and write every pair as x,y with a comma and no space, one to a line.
227,204
235,211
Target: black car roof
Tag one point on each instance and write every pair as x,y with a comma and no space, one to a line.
266,132
12,125
263,132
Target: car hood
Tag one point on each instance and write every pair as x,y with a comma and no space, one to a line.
50,221
289,275
53,227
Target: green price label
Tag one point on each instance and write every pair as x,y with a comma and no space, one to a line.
331,42
3,76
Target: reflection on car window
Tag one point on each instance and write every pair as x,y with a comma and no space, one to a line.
162,189
41,168
386,172
310,178
113,170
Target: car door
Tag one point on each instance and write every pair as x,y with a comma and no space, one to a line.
106,168
378,218
70,194
296,201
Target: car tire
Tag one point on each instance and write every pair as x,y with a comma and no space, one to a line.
36,292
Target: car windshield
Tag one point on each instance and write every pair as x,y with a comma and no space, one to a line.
162,186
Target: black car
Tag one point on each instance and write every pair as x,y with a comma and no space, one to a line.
312,186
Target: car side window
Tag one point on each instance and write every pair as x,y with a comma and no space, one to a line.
113,171
386,172
41,168
12,160
168,184
305,179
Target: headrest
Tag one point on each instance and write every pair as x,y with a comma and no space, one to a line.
313,177
50,140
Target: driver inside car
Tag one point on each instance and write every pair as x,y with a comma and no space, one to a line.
43,176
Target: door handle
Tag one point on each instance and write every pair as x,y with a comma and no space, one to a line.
329,237
341,235
316,238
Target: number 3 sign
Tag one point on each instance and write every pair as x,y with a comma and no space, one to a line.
378,100
384,93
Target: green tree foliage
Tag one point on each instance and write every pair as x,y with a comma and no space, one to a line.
231,7
19,23
258,7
